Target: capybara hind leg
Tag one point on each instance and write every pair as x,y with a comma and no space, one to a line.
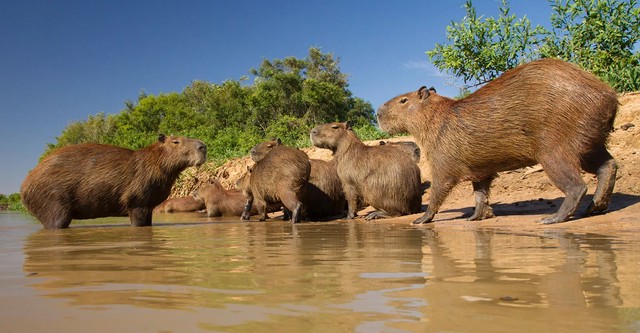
140,217
481,193
58,217
605,168
568,180
286,214
439,191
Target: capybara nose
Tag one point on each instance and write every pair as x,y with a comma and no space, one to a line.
202,147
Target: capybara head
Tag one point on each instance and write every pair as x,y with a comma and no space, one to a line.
331,135
409,147
260,150
180,152
206,190
393,115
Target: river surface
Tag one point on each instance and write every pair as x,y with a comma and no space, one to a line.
189,274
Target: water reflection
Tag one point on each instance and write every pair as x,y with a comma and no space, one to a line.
343,276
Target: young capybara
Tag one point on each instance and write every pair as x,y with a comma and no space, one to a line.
381,176
281,176
409,147
547,111
91,180
179,205
222,202
325,197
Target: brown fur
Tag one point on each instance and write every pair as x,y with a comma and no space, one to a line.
222,202
325,197
547,111
381,176
408,147
281,176
95,180
182,204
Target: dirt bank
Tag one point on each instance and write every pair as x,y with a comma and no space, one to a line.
520,198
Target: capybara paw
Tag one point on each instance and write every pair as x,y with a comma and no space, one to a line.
245,217
481,215
595,209
376,214
553,219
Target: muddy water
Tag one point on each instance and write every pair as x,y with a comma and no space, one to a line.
187,274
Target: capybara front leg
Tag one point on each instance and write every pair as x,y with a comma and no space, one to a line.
296,213
481,193
352,201
261,206
140,217
606,174
569,181
246,213
439,191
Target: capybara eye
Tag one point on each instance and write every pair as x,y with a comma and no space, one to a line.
335,126
175,142
403,100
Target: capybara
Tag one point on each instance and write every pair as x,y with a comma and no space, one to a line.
91,180
222,202
181,204
409,147
280,177
325,197
381,176
547,111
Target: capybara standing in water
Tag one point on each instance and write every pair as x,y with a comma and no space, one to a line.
91,180
325,197
547,111
179,205
381,176
280,176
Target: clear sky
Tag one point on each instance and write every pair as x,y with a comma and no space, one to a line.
61,61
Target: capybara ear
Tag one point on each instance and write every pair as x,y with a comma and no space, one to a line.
382,143
348,125
432,90
161,137
423,92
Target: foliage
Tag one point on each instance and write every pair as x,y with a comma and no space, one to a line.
286,99
12,201
598,35
482,48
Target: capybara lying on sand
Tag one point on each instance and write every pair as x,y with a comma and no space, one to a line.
547,111
381,176
91,180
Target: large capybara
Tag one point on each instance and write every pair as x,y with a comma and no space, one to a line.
222,202
325,196
180,205
281,176
91,180
547,111
408,147
381,176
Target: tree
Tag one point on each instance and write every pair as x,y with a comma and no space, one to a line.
481,49
600,36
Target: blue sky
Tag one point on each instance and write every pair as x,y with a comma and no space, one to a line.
61,61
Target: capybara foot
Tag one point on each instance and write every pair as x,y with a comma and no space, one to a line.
426,218
595,209
376,214
481,214
554,219
246,216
